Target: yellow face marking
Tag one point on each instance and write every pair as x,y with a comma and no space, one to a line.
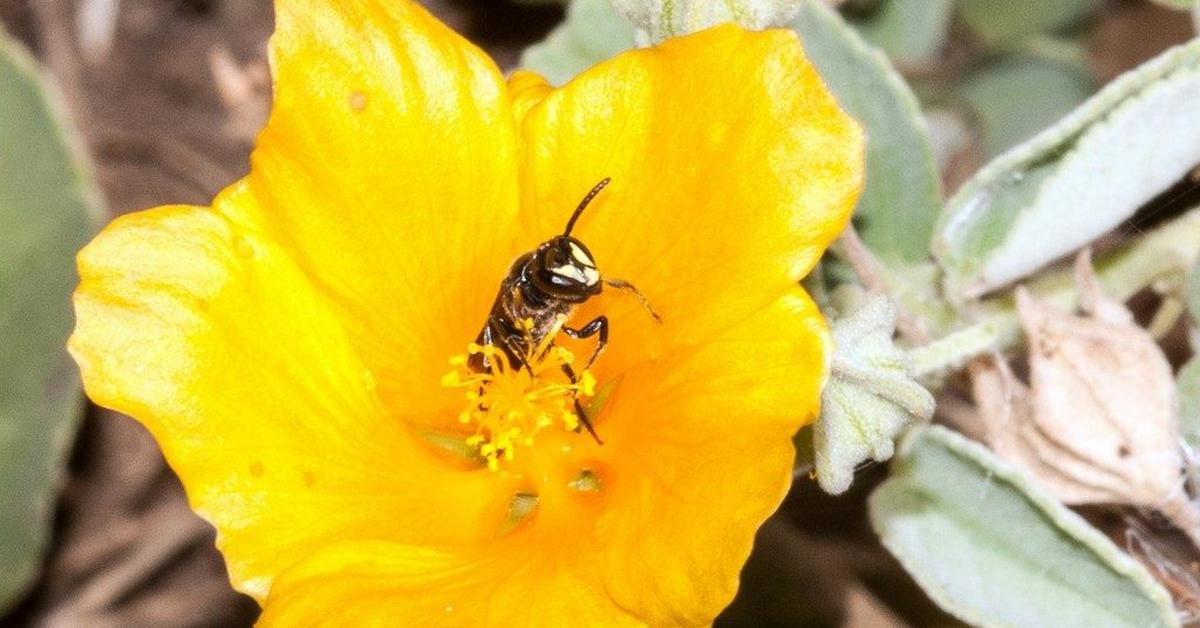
580,256
570,272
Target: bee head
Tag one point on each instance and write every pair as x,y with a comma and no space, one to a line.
564,269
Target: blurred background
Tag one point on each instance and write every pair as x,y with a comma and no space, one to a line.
167,96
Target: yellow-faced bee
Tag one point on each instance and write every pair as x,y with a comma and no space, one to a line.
543,287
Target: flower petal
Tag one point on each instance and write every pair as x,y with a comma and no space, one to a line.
388,171
385,584
699,447
211,337
526,89
732,169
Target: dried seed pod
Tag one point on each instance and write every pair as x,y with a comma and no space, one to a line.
1099,420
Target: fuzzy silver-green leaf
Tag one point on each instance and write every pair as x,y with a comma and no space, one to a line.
1075,181
902,197
591,33
1019,95
870,398
47,211
656,20
910,31
1010,20
992,548
1187,382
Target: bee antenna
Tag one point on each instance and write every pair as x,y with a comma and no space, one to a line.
584,203
621,284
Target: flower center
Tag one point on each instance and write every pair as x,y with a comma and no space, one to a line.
509,403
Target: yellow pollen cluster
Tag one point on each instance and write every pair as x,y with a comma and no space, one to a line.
510,403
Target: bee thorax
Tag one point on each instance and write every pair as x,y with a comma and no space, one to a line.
544,314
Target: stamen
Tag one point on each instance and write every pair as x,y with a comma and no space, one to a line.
509,406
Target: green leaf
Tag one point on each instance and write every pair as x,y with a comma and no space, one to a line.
1076,180
47,211
656,20
909,31
1018,96
902,198
995,550
870,396
1188,384
1160,256
591,33
1006,21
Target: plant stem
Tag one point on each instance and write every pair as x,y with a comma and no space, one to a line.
866,267
1183,513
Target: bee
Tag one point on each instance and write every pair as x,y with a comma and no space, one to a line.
544,287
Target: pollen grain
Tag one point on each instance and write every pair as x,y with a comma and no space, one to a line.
508,404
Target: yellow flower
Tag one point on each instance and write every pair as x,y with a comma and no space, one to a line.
287,347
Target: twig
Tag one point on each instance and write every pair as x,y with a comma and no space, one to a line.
864,264
960,414
96,26
1183,513
53,18
175,157
1166,565
244,90
165,534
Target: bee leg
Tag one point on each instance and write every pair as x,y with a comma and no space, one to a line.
599,325
621,284
514,348
583,417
